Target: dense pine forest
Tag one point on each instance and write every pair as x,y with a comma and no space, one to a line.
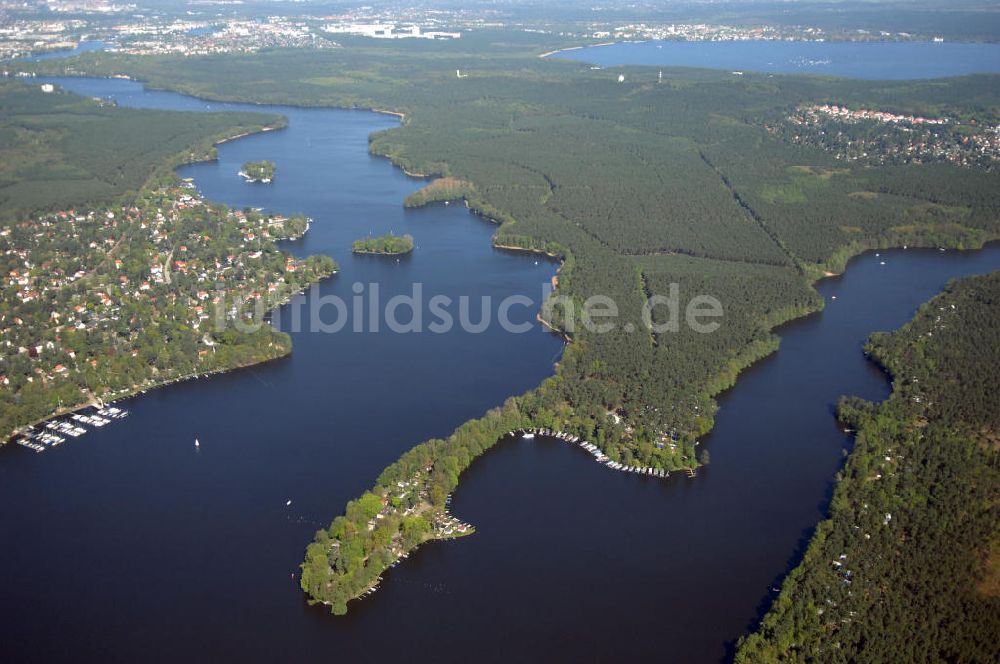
62,150
907,567
634,186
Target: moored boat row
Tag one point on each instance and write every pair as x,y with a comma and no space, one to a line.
594,450
371,590
53,433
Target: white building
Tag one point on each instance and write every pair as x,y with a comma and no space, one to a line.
387,31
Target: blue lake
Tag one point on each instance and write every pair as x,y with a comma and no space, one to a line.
81,48
867,60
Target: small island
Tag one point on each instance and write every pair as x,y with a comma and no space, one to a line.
389,245
258,171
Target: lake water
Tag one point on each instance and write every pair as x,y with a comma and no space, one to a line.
868,60
128,544
81,48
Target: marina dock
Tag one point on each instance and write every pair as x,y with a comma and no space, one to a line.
593,450
54,432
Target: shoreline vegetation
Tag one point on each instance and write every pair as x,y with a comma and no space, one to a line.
384,245
440,190
261,171
546,157
914,513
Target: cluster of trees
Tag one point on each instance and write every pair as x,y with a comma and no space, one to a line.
258,171
384,244
346,559
440,190
906,568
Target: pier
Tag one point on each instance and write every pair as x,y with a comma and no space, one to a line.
53,432
599,456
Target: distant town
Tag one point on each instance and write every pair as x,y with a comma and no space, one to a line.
901,139
711,32
152,35
63,24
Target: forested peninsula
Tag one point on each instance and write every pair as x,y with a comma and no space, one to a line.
633,186
911,541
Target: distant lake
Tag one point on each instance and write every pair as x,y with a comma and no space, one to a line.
869,60
82,47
